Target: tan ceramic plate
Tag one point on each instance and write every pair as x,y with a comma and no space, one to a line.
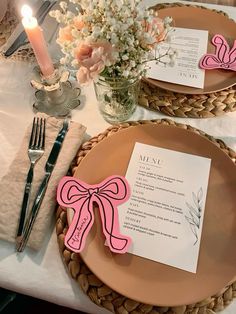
215,23
152,282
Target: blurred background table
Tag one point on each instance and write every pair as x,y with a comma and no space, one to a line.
42,274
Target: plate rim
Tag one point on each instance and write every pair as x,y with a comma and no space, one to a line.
195,91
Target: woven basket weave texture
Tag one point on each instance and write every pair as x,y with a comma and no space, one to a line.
96,290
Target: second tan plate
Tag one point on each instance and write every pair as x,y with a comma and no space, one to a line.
151,282
215,23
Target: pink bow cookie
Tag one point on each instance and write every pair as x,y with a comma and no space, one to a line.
80,196
224,57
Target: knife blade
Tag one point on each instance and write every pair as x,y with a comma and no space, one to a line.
22,37
50,164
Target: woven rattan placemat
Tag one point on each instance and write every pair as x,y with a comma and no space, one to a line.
187,105
97,291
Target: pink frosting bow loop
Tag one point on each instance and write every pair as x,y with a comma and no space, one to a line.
224,57
80,196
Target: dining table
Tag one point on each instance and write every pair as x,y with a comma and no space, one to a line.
42,274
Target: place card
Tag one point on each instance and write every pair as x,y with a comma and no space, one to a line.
190,45
164,215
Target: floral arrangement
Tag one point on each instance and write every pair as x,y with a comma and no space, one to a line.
110,38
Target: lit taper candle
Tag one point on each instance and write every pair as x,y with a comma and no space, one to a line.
37,41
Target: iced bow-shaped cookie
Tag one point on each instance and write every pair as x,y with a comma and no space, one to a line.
224,57
80,196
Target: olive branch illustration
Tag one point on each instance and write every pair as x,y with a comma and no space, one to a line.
195,213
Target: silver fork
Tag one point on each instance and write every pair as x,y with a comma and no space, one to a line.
35,152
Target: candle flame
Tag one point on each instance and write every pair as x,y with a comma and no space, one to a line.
26,11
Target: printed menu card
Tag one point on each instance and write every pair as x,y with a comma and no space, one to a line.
164,215
190,45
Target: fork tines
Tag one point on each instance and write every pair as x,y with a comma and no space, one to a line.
36,138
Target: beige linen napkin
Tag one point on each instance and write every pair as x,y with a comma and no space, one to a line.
12,184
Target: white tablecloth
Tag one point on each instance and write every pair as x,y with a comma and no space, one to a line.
43,274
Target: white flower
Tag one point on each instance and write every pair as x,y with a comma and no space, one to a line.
132,64
63,5
57,15
70,15
74,63
129,29
126,73
125,57
63,60
114,39
168,20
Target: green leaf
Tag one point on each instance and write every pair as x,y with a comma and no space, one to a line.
197,222
200,194
191,222
197,214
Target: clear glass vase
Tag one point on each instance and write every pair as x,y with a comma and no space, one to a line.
117,97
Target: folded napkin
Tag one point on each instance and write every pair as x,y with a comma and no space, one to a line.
13,183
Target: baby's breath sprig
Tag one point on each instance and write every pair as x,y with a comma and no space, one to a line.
109,37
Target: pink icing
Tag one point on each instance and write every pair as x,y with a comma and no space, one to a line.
224,57
80,196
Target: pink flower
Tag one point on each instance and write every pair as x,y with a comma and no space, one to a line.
65,34
83,53
96,69
93,56
83,75
156,29
78,23
161,29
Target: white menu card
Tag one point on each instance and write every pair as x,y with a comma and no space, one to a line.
190,45
164,215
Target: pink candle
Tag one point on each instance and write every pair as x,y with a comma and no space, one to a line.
37,41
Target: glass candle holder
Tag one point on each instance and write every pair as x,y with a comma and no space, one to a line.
55,94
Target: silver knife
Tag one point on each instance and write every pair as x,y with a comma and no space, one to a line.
22,241
22,37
